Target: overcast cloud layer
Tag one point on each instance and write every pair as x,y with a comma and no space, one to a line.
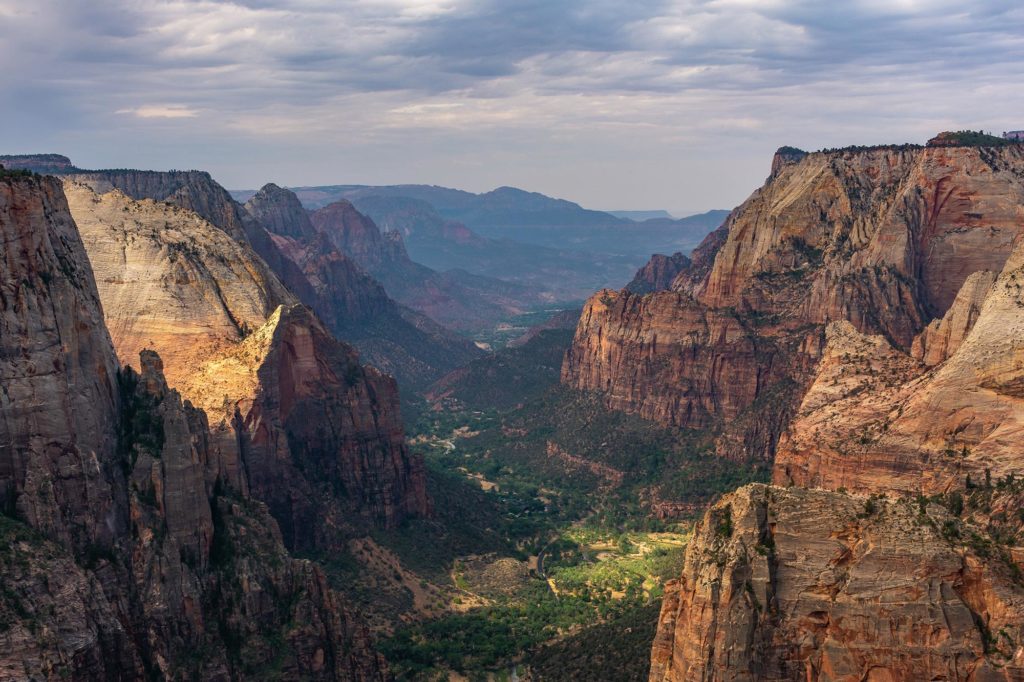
641,104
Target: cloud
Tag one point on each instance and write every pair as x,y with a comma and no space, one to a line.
655,88
161,111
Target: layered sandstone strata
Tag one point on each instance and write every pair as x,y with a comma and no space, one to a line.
282,393
126,554
883,238
876,419
793,584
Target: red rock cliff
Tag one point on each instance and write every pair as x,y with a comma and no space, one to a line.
882,238
124,553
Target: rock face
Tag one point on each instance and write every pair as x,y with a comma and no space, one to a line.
195,191
354,305
58,371
357,309
791,584
358,237
170,280
38,163
299,422
164,568
917,404
877,419
940,339
659,273
882,238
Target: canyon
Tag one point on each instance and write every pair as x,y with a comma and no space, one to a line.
858,325
392,337
798,443
129,548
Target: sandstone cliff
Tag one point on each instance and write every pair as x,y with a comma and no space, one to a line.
659,273
125,553
354,305
883,238
791,584
298,422
875,419
59,400
892,275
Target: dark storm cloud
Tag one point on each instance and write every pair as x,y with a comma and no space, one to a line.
401,80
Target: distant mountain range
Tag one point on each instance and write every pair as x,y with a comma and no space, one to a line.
525,237
640,216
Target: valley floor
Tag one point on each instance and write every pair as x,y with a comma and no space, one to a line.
549,547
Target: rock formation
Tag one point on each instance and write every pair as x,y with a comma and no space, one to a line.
792,584
396,340
454,298
883,238
905,562
301,423
126,554
58,371
876,419
659,273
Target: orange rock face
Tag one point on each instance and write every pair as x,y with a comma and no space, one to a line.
888,284
792,584
876,420
881,238
284,396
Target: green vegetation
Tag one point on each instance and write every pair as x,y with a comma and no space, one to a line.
142,426
15,173
616,650
562,482
505,379
589,584
557,522
972,138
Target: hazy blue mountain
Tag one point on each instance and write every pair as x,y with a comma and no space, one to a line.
640,216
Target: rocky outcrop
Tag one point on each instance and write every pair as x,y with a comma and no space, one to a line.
785,156
126,554
670,359
298,422
323,440
659,273
941,338
171,281
358,237
881,421
195,191
281,212
883,238
791,584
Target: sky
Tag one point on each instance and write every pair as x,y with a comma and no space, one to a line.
638,104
